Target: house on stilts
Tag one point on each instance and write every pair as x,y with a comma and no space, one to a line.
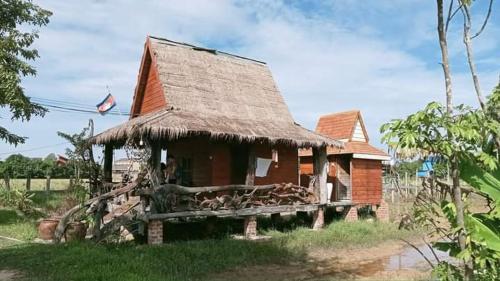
355,170
227,125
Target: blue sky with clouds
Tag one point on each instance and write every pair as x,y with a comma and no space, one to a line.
381,57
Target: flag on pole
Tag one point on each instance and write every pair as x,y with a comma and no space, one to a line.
106,105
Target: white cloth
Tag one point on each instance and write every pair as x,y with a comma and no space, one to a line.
262,167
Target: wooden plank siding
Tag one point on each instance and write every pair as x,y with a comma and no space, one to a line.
152,97
287,168
212,162
366,181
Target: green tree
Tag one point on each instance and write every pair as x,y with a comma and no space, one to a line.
16,16
464,135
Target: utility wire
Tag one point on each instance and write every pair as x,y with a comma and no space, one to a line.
33,149
69,109
72,106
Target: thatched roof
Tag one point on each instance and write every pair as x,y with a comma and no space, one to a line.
215,94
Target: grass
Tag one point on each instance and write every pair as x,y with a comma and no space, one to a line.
38,184
16,225
186,260
178,259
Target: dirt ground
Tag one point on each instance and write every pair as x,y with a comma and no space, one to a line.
350,264
9,275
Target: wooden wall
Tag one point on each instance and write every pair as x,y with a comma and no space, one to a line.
212,162
365,177
287,168
366,181
153,97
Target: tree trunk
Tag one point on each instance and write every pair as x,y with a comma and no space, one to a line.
444,56
470,56
457,193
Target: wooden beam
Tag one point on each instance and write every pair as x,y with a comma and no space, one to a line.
252,165
175,188
233,213
320,166
154,164
108,163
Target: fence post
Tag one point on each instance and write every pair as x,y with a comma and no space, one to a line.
47,184
28,182
416,177
7,181
406,179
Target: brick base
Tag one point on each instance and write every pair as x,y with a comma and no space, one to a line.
318,219
352,213
250,227
382,212
155,232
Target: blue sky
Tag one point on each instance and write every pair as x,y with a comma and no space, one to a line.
381,57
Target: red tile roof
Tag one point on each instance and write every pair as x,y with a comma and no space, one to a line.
338,125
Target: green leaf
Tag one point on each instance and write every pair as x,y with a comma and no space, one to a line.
481,180
484,229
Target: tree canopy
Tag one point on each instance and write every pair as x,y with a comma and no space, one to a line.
17,16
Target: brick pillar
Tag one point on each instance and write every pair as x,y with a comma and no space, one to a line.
318,219
250,227
352,214
382,211
155,232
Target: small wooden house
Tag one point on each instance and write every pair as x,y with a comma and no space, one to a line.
220,115
355,171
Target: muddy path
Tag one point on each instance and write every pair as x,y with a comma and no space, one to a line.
389,261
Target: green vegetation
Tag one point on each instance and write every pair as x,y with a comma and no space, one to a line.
16,225
18,166
185,260
468,139
19,25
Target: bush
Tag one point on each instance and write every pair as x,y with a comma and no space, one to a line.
17,199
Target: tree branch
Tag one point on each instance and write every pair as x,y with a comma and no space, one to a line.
485,21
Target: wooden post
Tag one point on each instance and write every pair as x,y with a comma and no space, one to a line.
320,165
154,164
252,165
7,180
28,182
108,163
47,184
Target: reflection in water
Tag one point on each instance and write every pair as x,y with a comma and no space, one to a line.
409,258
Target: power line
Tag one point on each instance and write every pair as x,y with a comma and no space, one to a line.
72,106
33,149
69,109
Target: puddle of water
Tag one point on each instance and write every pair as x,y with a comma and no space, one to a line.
407,260
412,259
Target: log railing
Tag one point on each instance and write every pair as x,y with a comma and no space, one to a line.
170,198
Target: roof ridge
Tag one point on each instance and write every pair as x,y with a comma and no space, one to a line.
213,51
339,113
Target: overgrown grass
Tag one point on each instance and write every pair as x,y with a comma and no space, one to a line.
186,260
176,261
339,235
17,226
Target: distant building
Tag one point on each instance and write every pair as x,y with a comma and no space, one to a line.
123,166
355,171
